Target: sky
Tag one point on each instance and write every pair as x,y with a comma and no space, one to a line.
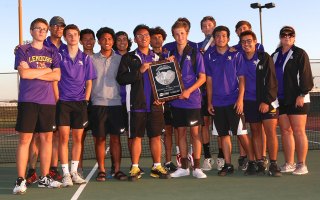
125,15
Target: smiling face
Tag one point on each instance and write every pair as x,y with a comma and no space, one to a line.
248,44
88,41
221,39
180,35
106,42
142,38
122,43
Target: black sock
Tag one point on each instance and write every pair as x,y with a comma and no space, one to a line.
54,168
273,161
206,150
31,171
220,154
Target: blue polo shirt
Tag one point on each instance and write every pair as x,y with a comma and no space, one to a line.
224,69
74,75
189,77
47,42
172,45
279,72
251,77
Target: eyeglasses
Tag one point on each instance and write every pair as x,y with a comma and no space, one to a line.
140,36
249,41
58,26
40,29
287,35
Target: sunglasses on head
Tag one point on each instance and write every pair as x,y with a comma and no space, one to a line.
287,35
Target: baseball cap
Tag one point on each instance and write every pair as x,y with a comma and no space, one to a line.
57,20
287,29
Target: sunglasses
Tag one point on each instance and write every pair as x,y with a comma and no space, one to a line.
287,35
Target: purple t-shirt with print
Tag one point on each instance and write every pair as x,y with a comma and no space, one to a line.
35,90
74,75
189,77
224,69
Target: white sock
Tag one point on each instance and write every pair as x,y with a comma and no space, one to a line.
65,169
74,166
156,164
135,165
177,149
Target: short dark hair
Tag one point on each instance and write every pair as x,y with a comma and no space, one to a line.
180,24
139,27
72,27
248,32
86,31
158,30
38,20
243,22
210,18
118,34
221,28
104,30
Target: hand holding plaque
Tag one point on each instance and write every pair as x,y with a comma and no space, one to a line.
165,78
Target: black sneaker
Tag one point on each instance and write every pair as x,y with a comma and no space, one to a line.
243,163
261,168
170,167
251,169
159,172
274,170
226,169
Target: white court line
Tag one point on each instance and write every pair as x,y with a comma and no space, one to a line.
81,188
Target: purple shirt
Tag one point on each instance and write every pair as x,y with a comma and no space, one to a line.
74,75
279,72
49,44
189,77
251,77
146,81
36,91
224,70
172,45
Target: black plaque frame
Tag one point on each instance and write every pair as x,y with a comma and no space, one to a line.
166,81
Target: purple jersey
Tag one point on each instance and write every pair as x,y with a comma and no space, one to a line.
250,74
49,44
224,69
189,77
74,75
36,91
279,72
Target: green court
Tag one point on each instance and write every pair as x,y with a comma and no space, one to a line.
236,186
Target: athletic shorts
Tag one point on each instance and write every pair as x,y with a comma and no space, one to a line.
89,108
183,117
152,122
167,114
292,109
253,115
125,116
227,122
34,117
107,120
72,113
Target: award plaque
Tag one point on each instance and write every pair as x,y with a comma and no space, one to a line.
165,78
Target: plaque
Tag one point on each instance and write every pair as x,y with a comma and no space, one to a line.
166,81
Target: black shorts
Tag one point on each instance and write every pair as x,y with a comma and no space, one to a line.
106,120
152,121
183,117
226,122
89,108
167,114
72,113
34,117
125,116
292,109
253,115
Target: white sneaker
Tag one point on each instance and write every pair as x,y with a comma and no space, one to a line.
207,164
180,172
48,182
20,187
220,163
198,173
301,169
67,181
287,167
77,179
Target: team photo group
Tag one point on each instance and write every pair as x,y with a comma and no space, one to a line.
226,88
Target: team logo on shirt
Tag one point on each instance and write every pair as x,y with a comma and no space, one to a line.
80,62
229,57
188,57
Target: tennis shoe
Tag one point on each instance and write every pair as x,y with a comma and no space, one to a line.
287,167
180,172
220,163
67,181
76,178
20,186
301,169
198,173
48,182
159,172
